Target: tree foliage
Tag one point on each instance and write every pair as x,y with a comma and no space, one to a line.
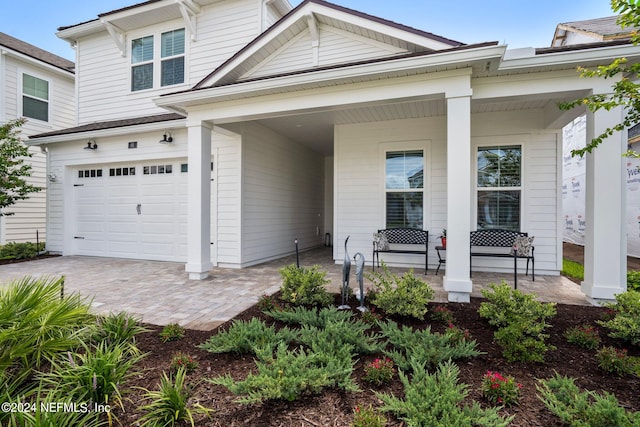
626,91
13,169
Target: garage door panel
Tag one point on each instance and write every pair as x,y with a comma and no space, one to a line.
135,215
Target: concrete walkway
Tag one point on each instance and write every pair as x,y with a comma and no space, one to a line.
161,293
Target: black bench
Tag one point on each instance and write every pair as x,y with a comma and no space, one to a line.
402,236
503,239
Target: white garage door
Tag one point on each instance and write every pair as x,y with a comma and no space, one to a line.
132,211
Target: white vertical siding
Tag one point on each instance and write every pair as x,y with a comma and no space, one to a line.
30,214
282,195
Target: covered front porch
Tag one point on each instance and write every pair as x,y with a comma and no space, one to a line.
160,293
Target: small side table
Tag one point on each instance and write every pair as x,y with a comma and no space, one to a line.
440,259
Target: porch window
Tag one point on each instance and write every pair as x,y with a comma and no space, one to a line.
35,98
499,187
404,188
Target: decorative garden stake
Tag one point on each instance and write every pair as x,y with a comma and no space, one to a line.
297,254
359,258
346,270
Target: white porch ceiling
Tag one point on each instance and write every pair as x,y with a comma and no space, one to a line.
315,130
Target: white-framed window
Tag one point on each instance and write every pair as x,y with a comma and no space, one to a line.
160,61
35,97
404,188
499,187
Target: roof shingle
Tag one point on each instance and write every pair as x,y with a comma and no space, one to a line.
35,52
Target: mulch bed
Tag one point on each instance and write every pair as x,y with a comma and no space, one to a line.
335,408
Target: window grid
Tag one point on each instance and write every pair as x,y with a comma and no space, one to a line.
499,187
404,188
35,98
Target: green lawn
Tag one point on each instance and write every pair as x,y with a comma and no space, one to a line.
572,269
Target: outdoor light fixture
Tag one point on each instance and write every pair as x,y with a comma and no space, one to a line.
52,177
91,145
167,138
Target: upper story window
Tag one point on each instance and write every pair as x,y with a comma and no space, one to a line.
499,187
163,62
404,188
35,98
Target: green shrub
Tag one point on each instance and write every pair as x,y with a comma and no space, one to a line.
172,332
26,250
423,346
305,286
435,400
120,328
406,295
247,337
380,371
617,361
291,374
500,390
36,323
633,281
584,409
368,417
310,317
96,375
442,314
169,405
340,334
626,322
521,322
182,360
585,336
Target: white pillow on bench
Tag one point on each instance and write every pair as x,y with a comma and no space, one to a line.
522,246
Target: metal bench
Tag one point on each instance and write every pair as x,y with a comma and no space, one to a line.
403,236
484,239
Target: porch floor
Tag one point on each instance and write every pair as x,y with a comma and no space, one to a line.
161,293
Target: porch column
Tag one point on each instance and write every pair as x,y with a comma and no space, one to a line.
199,201
605,257
457,280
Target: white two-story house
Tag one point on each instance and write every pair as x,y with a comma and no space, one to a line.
215,132
39,86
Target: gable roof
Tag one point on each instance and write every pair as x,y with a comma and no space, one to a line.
36,53
599,29
308,16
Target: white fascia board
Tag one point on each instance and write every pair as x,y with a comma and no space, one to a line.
382,28
119,131
577,57
74,33
318,9
36,62
459,59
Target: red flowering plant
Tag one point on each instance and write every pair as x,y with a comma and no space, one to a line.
500,390
183,360
456,334
583,336
442,314
380,371
368,417
617,361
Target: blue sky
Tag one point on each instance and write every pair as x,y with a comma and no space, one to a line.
518,23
